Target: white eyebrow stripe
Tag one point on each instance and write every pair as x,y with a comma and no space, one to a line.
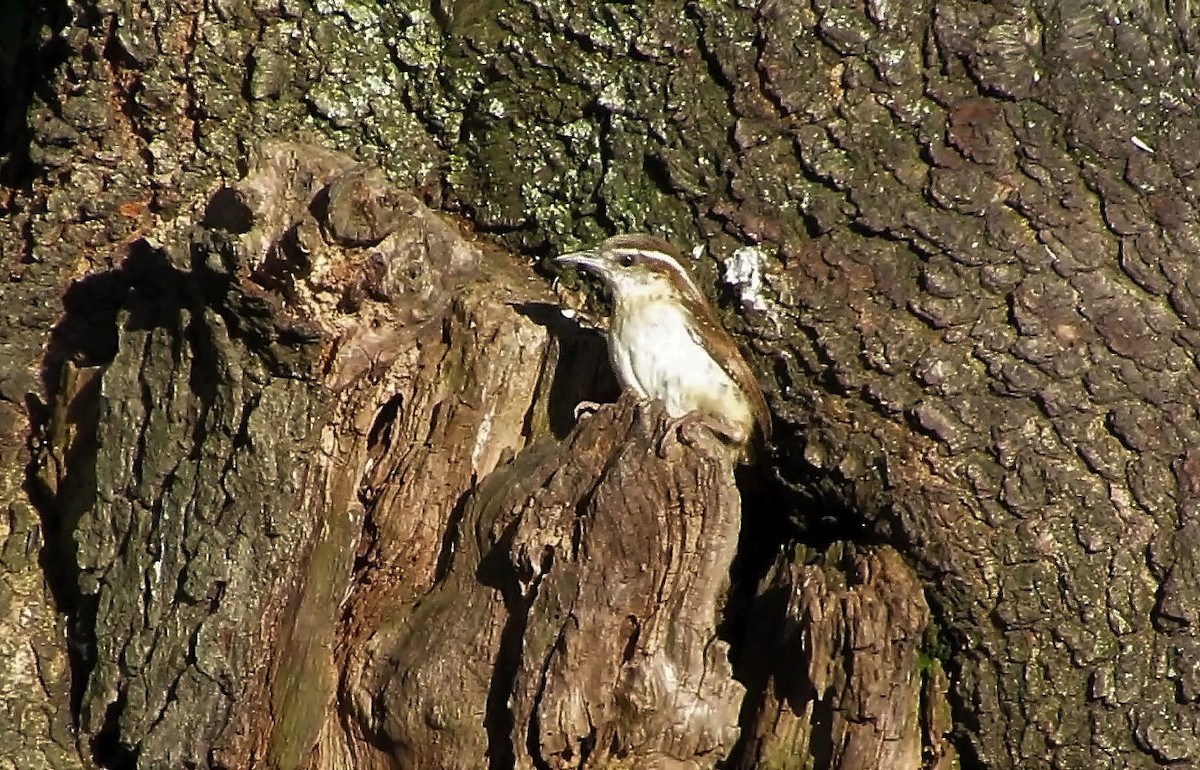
658,256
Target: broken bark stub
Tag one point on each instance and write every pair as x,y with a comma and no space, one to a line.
577,623
836,665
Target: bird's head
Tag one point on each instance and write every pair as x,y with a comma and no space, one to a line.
636,267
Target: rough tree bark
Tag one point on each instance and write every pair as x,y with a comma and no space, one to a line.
289,465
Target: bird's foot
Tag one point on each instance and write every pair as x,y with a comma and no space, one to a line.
679,431
586,409
685,430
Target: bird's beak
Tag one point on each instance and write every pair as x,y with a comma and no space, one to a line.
589,259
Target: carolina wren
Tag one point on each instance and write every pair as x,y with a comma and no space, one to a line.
665,342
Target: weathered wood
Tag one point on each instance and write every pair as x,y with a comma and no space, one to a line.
836,655
576,624
294,368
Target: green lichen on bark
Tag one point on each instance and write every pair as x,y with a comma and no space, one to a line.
550,137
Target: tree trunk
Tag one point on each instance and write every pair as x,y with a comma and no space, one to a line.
287,433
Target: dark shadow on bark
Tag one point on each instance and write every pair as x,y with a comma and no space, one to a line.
964,714
819,505
107,750
227,210
780,519
61,479
766,531
87,334
451,536
25,60
582,371
495,571
59,508
748,667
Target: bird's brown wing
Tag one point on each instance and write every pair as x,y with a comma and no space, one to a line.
726,351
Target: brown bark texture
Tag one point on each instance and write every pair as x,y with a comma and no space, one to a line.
289,462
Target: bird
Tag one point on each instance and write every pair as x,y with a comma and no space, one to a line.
666,344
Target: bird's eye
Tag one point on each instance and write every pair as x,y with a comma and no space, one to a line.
627,260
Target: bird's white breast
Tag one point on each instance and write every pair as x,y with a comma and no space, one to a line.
656,355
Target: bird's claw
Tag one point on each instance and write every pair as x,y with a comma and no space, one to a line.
685,430
586,409
680,430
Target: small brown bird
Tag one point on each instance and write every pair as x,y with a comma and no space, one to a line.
665,342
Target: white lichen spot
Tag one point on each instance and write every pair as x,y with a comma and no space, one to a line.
611,98
364,18
377,84
744,272
892,56
1138,143
578,129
